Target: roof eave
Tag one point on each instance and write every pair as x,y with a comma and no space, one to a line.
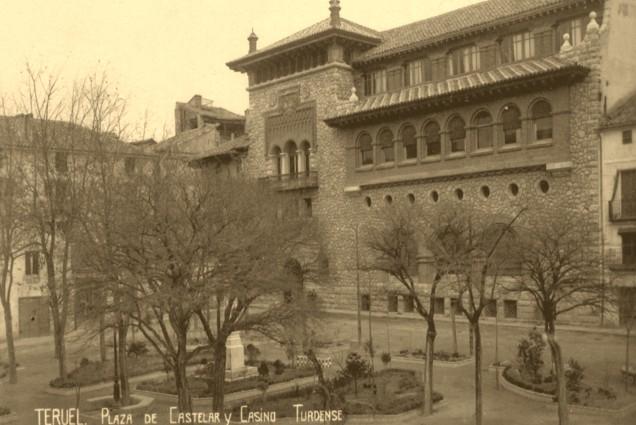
565,75
241,64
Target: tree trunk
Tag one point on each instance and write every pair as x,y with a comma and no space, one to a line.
557,360
124,386
471,339
60,346
627,336
454,330
184,403
479,412
102,338
218,376
431,333
8,323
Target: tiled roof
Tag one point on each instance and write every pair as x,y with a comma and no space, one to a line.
226,148
181,142
455,23
423,92
219,113
622,115
312,31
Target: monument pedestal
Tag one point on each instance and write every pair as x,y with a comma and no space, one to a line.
235,368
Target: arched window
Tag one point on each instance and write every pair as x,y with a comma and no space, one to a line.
409,142
278,161
385,140
365,149
433,139
306,148
541,114
292,154
511,117
483,130
457,134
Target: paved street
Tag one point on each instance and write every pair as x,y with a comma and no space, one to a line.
594,351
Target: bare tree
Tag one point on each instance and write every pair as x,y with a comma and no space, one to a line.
55,174
14,234
394,246
560,274
472,247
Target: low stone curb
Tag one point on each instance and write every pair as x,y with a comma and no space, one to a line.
234,397
436,363
11,418
573,408
143,402
67,392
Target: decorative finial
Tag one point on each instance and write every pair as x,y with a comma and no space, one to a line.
354,95
334,8
253,39
593,25
566,46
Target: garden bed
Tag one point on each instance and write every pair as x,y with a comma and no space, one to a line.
96,372
398,391
587,400
199,383
441,358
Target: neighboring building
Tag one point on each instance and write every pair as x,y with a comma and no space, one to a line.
618,153
496,105
211,137
68,146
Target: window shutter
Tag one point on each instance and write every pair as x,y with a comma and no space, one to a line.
543,44
488,57
439,69
506,50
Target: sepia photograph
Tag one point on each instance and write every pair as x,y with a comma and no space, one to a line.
404,212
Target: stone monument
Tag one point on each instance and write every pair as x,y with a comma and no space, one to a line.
235,359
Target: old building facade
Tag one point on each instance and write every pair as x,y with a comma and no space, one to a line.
496,106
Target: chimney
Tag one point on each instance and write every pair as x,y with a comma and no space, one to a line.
253,39
334,7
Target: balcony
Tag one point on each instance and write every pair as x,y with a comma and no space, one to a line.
285,182
622,210
617,261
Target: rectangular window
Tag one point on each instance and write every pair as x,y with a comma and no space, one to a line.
308,207
463,60
379,81
414,70
628,193
32,263
629,248
439,306
453,305
510,309
627,137
365,302
368,84
393,303
61,162
394,79
409,303
484,137
517,47
575,28
491,308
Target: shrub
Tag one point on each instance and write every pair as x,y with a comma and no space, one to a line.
530,355
573,376
386,358
84,362
607,392
4,411
137,348
263,369
252,353
356,368
279,367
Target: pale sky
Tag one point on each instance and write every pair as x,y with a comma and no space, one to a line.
158,52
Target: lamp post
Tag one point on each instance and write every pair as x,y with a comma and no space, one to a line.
358,286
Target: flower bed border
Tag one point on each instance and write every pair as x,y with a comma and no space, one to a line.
440,363
143,402
573,408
